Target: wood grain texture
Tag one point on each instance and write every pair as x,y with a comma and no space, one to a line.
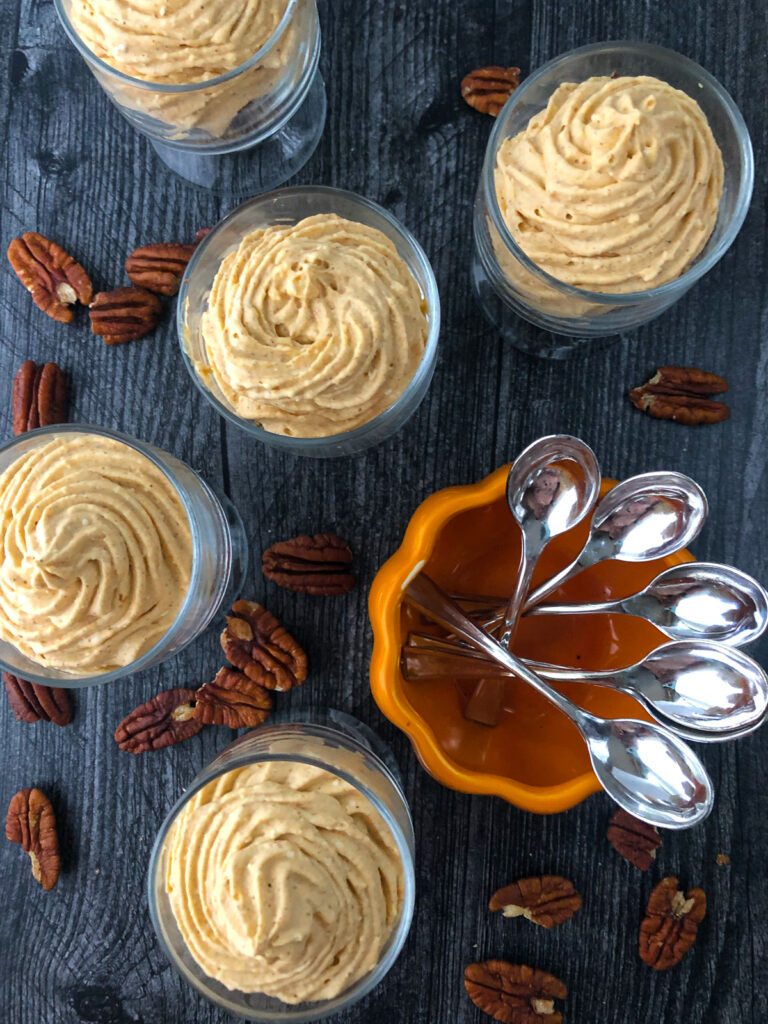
399,133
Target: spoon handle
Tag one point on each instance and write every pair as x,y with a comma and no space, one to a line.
581,609
549,586
515,603
433,663
425,595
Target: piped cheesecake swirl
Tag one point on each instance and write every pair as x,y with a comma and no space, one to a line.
96,554
181,43
176,42
615,187
284,880
315,328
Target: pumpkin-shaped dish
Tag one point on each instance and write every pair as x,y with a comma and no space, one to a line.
466,540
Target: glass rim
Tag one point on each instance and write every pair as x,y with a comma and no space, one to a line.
399,933
170,88
71,680
700,266
424,369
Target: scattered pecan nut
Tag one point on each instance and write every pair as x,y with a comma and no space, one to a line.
635,840
32,823
514,993
488,89
32,702
234,700
547,900
671,922
310,565
256,643
39,397
672,380
162,721
51,276
682,394
201,233
125,314
159,267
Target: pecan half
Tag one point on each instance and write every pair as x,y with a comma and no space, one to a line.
32,824
690,380
682,394
514,993
32,702
51,276
39,397
159,267
234,700
488,89
547,900
635,840
125,314
162,721
256,643
201,233
310,565
671,923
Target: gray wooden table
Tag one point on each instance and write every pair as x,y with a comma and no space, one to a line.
399,133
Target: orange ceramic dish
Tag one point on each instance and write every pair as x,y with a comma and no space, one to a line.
467,541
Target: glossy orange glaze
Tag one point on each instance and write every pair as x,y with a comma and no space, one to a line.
477,551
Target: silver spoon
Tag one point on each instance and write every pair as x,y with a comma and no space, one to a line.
692,601
703,690
551,486
648,516
645,768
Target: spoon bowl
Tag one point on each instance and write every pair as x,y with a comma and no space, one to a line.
703,685
649,772
551,486
692,601
648,516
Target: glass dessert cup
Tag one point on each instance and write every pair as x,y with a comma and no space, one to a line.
219,559
508,284
346,754
206,133
288,206
467,542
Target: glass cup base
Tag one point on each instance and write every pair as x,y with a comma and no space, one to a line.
522,329
259,168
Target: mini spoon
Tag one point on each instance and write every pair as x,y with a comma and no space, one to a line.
645,768
648,516
701,689
692,601
551,486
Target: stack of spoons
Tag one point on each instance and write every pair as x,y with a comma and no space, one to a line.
698,687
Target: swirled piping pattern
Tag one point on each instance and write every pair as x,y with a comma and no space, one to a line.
315,328
283,879
175,42
96,554
615,187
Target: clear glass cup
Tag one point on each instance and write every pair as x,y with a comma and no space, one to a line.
219,559
242,132
508,284
346,752
288,206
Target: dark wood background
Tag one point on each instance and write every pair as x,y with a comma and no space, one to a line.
399,133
